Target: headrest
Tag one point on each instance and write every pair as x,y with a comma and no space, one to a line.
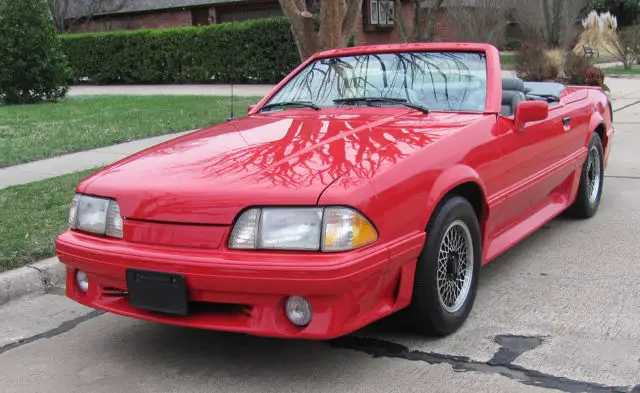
508,95
513,84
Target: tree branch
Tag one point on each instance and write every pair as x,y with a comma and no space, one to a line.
398,20
291,10
302,27
350,18
417,19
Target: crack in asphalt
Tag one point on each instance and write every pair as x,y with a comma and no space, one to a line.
623,177
43,278
385,349
512,346
62,328
626,106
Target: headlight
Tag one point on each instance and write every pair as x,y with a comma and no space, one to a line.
95,215
303,228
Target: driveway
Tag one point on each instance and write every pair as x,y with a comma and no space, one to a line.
559,312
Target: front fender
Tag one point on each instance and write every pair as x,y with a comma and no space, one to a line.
448,180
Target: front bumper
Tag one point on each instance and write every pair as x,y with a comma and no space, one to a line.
347,290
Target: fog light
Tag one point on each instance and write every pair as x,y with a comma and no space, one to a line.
82,280
298,310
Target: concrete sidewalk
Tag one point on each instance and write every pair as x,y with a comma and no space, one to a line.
210,90
74,162
609,65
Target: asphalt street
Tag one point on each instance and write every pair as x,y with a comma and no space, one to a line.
559,312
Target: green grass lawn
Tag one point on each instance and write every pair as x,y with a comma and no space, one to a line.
635,70
32,132
32,216
508,61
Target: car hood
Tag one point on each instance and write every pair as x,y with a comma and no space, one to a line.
285,158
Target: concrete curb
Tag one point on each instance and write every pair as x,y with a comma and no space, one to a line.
34,279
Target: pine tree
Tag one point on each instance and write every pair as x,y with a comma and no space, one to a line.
33,66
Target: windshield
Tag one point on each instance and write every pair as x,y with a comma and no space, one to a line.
448,81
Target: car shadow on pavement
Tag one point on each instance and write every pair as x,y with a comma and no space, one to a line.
257,360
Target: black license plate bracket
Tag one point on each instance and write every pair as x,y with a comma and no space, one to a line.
158,291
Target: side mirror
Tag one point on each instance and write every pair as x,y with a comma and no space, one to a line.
528,111
251,107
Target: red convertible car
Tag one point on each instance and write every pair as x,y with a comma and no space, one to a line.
371,180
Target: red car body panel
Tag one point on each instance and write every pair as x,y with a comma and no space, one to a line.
393,164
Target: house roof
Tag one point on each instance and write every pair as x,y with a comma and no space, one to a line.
450,3
80,8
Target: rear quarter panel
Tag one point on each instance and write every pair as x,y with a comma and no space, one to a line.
595,100
592,108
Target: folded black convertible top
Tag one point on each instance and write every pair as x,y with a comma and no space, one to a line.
544,89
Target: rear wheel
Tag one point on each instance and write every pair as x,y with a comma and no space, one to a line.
446,279
591,181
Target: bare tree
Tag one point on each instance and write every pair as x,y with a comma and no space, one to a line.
625,46
423,17
555,20
337,23
550,21
66,13
480,20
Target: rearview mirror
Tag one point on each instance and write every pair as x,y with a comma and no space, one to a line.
528,111
251,108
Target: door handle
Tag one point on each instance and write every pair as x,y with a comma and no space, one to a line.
566,121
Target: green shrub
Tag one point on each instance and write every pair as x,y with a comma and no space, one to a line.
352,40
32,65
595,77
513,44
255,51
575,69
534,64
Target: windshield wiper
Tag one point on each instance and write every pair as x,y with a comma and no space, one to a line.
400,101
305,104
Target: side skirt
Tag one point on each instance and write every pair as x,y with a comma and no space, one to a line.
557,202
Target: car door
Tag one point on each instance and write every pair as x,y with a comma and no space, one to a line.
527,157
572,115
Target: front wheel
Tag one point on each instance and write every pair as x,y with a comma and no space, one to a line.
591,181
446,279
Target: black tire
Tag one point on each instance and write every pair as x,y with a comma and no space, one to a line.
586,203
426,314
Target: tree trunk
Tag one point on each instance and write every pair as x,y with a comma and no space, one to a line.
332,14
422,25
553,15
337,23
353,10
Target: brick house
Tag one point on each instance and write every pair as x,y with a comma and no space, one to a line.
162,14
159,14
377,27
374,26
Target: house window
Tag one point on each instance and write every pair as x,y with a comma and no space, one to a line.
381,12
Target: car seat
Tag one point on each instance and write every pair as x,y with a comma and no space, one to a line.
513,92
